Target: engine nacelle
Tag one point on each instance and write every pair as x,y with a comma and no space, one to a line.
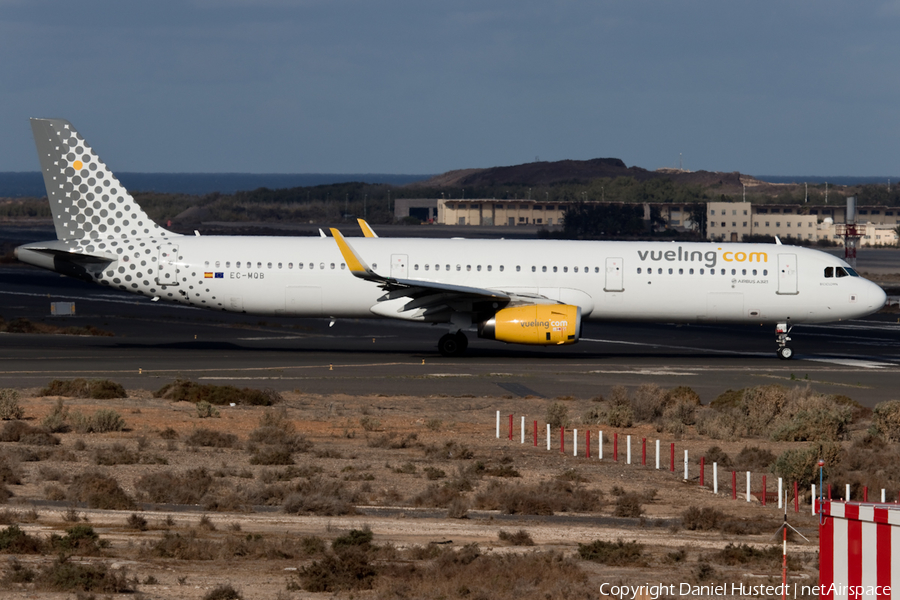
536,324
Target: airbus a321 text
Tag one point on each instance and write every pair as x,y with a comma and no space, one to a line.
523,292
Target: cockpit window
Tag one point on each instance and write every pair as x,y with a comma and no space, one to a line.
829,271
851,272
840,272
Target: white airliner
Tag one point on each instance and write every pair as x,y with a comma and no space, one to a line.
527,292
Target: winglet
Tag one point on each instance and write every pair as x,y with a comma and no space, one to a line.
356,264
366,229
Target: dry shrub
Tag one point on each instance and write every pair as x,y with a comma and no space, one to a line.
557,415
20,431
796,414
65,576
449,451
15,541
545,498
97,389
212,439
169,434
99,491
801,464
194,486
741,555
702,519
184,547
5,494
629,505
9,405
519,538
620,413
437,496
102,421
183,390
224,591
344,571
886,420
648,403
57,420
136,521
753,458
9,470
467,573
714,454
79,539
320,497
504,470
276,429
117,454
390,441
619,553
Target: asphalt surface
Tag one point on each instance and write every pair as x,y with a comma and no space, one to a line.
156,342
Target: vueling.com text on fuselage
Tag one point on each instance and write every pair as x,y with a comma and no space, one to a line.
711,257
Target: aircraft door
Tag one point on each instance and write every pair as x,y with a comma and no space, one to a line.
787,274
167,265
399,266
614,269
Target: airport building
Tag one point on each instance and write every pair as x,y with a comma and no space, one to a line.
726,221
732,221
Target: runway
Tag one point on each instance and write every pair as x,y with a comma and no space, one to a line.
155,343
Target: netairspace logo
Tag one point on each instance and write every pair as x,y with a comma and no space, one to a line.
630,592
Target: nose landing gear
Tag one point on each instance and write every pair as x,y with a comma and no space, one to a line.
453,344
782,338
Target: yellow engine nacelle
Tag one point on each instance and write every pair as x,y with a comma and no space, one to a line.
537,324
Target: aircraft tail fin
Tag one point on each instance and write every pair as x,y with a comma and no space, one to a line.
86,199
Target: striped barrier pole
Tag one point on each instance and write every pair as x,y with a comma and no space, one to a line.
715,478
548,436
600,445
702,469
672,458
523,430
498,424
535,434
628,449
643,452
657,454
575,442
748,486
510,427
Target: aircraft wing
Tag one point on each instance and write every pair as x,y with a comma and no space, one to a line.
423,296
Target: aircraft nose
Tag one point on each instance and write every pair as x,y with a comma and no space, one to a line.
876,296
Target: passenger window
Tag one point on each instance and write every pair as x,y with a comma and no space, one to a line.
754,271
743,271
446,267
554,269
322,266
670,271
544,269
374,265
702,272
343,266
478,268
501,268
458,267
596,269
299,265
765,272
279,265
639,270
575,269
734,271
690,271
681,271
312,266
565,269
228,264
533,268
426,267
290,265
259,265
415,267
206,263
829,271
489,267
238,264
268,265
468,267
518,268
723,271
659,272
217,264
332,266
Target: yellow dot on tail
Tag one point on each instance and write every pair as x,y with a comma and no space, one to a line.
77,164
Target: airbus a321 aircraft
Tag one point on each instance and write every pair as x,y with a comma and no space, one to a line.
523,292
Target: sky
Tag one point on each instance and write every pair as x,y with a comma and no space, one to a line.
786,87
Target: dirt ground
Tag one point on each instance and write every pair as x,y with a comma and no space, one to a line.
355,441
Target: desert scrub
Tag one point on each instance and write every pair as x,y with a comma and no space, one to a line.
702,519
275,440
519,538
97,389
183,390
9,405
886,420
98,491
800,464
557,415
102,421
211,439
617,553
545,498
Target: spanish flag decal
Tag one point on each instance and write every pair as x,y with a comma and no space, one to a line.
207,275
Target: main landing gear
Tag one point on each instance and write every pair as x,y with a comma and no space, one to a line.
781,337
453,344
